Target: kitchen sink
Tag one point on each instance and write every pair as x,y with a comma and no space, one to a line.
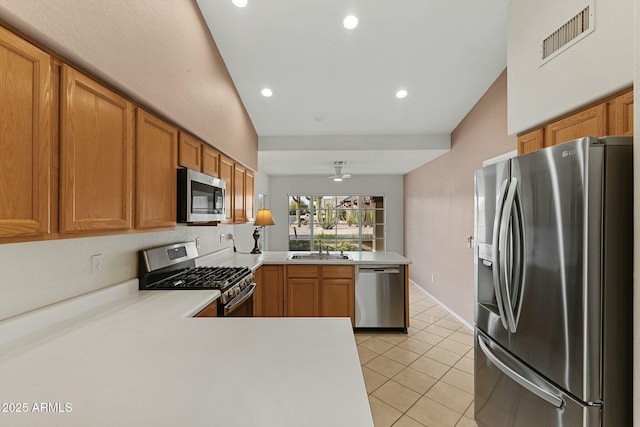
316,256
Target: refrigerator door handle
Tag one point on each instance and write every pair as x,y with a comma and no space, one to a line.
497,285
507,268
515,376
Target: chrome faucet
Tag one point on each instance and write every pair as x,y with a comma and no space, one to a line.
320,248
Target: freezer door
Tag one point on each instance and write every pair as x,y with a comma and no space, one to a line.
490,188
510,394
559,297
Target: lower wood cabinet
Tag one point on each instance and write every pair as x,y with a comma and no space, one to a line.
209,311
320,290
268,298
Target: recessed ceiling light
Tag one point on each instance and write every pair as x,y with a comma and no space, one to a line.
401,94
239,3
266,92
350,22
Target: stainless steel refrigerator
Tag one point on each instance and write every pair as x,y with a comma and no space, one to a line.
553,272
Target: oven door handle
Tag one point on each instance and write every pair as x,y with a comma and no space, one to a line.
242,297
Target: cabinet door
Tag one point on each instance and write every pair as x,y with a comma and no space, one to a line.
270,295
302,297
239,205
25,142
209,311
189,152
156,164
96,156
210,160
590,122
249,196
531,141
337,298
623,120
227,174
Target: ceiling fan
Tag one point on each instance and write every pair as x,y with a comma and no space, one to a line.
339,176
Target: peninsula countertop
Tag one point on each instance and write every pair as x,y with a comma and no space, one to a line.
141,360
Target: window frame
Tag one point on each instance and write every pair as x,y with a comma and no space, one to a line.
312,212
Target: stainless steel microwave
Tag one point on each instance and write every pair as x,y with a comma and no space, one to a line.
201,197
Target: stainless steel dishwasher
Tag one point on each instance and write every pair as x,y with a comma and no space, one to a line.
380,297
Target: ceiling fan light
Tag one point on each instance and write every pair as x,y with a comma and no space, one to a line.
239,3
337,178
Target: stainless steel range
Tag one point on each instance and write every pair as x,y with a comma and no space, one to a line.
173,267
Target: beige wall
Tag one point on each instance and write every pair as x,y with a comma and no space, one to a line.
438,208
159,53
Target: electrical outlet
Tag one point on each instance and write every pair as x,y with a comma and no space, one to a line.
222,237
96,263
197,243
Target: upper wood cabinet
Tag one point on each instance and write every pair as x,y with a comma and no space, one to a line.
227,174
249,193
622,121
190,152
198,156
96,156
612,116
531,141
590,122
156,164
210,161
239,200
26,163
240,191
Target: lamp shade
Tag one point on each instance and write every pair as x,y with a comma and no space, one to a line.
263,217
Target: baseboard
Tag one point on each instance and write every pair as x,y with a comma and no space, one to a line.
451,312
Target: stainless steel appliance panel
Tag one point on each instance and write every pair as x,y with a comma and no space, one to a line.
550,305
490,188
380,297
509,394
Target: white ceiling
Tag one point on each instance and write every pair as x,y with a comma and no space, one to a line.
334,89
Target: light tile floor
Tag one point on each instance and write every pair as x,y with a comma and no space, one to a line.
425,377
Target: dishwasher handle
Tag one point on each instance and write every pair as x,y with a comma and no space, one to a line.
380,270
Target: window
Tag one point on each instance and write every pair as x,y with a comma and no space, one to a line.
348,223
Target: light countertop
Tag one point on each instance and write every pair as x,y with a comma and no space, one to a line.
140,360
281,257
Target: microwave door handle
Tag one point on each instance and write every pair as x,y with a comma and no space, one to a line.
245,295
507,267
496,261
545,395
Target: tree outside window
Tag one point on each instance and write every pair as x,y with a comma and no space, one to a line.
348,223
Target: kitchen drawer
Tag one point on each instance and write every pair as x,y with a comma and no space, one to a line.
302,271
337,271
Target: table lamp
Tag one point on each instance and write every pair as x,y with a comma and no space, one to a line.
263,217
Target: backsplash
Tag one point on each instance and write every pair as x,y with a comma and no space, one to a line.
36,274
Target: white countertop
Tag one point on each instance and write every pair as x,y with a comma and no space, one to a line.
141,361
281,257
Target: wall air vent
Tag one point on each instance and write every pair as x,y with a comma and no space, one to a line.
569,34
